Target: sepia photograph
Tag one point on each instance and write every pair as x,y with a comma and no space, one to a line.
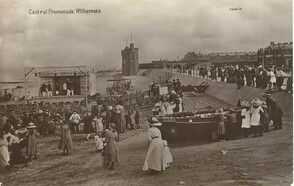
146,92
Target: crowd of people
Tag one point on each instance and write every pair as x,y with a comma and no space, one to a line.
103,123
171,85
170,102
253,119
19,134
17,147
270,78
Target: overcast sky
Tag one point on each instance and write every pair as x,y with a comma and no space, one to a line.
161,29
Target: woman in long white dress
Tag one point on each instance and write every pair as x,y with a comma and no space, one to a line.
255,112
245,114
4,154
154,161
167,155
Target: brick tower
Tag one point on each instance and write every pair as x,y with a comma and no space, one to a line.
130,60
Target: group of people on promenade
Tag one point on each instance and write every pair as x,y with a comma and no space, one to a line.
271,78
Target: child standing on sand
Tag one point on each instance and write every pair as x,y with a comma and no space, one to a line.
167,155
98,143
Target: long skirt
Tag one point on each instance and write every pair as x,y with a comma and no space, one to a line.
17,158
111,158
167,155
65,143
88,128
32,145
155,156
4,156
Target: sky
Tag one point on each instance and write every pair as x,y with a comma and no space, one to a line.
161,29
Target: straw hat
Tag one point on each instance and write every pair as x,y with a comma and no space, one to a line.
219,111
245,104
119,107
31,126
256,102
154,122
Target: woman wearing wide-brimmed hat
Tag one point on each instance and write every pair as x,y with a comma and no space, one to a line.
245,114
256,111
154,161
32,141
221,128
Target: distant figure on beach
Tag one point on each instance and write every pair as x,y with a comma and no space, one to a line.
65,143
32,141
111,148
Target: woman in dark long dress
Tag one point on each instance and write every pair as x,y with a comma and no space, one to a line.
128,116
16,156
32,141
111,148
88,127
65,143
